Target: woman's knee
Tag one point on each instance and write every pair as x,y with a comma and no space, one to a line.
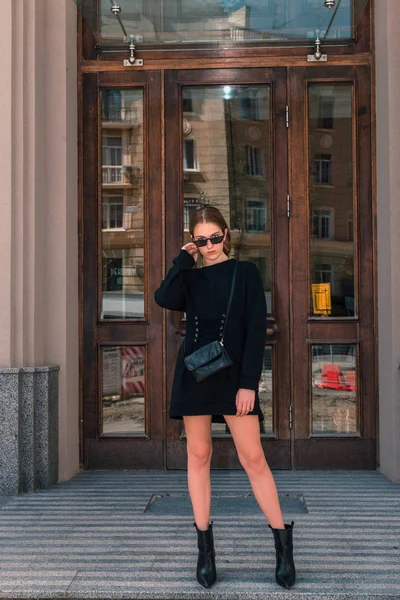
199,454
253,462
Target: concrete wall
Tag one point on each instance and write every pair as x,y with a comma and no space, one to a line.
38,201
387,40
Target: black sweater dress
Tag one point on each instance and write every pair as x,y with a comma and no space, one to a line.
203,293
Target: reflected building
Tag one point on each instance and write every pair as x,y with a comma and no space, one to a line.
122,185
225,21
331,192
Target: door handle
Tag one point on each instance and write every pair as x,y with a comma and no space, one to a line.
272,330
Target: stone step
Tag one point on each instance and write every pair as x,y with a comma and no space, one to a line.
97,536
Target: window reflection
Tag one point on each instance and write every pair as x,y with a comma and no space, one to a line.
123,390
227,163
331,199
122,216
334,389
225,21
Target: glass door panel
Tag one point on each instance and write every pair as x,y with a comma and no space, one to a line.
333,307
120,239
225,21
227,163
230,134
122,214
331,185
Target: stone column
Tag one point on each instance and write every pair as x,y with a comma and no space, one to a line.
387,40
38,234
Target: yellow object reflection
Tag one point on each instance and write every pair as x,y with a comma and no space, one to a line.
321,294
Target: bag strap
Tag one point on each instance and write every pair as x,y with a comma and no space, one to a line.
227,310
230,300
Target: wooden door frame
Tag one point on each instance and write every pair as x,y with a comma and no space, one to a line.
276,446
337,451
123,451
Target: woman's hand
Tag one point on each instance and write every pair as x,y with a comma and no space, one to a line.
192,249
245,400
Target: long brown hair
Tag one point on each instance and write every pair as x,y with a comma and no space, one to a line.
210,214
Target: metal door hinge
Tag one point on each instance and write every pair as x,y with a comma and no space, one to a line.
132,61
287,116
288,205
290,418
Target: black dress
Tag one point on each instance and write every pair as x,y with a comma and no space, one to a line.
203,293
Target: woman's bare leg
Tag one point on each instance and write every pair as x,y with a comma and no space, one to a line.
246,435
199,451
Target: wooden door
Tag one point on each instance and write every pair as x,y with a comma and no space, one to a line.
295,187
226,145
332,268
121,258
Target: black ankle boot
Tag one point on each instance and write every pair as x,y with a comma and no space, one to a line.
285,572
206,572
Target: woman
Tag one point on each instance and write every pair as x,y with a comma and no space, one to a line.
232,393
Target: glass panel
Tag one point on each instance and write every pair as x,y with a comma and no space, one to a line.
123,390
122,204
265,394
334,389
227,163
221,21
331,199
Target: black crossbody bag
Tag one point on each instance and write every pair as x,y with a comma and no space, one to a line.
212,357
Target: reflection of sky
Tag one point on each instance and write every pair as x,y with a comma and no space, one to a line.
315,14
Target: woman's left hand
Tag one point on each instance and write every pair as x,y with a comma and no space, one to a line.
244,401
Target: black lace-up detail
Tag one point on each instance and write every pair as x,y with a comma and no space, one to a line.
209,329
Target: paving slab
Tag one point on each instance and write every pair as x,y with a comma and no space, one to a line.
129,535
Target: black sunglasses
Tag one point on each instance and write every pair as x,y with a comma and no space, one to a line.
216,239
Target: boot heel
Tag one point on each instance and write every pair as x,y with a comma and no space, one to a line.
206,572
285,572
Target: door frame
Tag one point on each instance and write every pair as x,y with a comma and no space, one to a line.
163,446
124,450
314,451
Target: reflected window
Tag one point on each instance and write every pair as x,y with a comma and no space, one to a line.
254,161
323,169
331,206
323,273
113,212
249,108
187,105
122,251
350,226
189,156
256,217
322,223
325,112
334,389
111,105
123,390
112,159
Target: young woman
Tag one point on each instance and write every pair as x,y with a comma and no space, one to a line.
232,393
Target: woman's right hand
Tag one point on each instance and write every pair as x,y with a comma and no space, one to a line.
192,249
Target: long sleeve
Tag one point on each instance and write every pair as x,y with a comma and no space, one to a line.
256,324
171,293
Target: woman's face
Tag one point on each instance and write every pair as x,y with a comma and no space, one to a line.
211,252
